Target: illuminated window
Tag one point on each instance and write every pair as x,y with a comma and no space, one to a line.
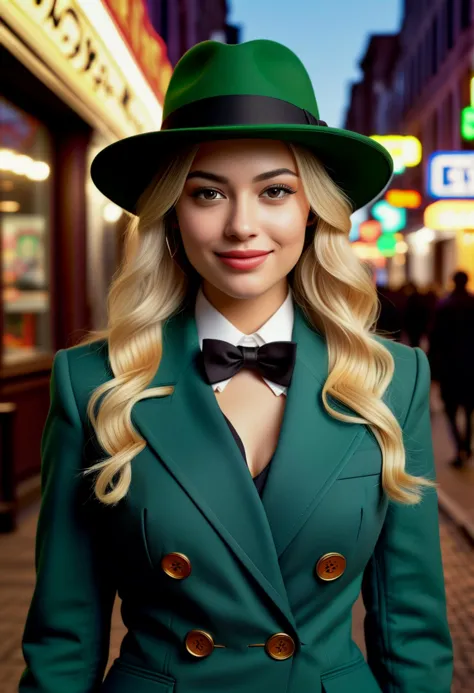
25,191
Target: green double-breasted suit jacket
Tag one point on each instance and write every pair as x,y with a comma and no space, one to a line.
252,559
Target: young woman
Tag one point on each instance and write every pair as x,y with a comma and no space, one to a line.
238,454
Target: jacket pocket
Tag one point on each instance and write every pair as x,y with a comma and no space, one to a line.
350,678
124,677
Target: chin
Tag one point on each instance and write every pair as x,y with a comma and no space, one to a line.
244,287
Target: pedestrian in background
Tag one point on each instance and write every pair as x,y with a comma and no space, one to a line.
416,315
452,363
432,296
389,323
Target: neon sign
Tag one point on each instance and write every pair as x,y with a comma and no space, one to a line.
450,215
405,150
467,123
391,218
409,199
451,174
387,244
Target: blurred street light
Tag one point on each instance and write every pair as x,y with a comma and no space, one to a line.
9,206
366,251
419,241
409,199
22,165
112,212
402,247
369,231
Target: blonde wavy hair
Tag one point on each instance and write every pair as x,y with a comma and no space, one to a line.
329,283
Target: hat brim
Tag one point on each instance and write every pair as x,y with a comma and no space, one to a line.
361,167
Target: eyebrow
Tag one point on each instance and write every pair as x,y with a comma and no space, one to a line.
222,179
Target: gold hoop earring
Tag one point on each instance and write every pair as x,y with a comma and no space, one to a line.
169,249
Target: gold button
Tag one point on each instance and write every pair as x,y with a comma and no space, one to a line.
199,643
280,646
176,565
330,566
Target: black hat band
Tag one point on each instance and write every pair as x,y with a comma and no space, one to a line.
238,109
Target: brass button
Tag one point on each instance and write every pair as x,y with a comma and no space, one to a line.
199,643
176,565
280,646
330,566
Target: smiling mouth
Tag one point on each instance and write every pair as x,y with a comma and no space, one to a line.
244,255
244,263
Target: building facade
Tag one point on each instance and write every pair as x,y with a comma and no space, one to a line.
422,93
76,76
433,77
183,23
370,98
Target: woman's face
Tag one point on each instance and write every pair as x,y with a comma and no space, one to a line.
243,195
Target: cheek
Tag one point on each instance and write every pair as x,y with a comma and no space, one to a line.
288,221
288,230
199,228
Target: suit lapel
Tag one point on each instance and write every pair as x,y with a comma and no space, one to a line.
313,446
188,432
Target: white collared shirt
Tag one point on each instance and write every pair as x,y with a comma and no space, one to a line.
211,324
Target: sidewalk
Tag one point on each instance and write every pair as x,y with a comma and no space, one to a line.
456,486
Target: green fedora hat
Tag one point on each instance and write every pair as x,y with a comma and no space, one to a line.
257,89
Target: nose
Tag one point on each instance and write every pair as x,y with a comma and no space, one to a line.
242,218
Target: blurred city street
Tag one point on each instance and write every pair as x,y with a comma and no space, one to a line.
17,576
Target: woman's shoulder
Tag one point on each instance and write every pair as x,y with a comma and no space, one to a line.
87,366
411,371
404,356
407,359
88,356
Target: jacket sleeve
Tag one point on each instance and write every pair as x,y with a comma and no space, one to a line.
67,633
408,642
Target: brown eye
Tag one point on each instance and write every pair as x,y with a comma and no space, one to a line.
279,189
200,191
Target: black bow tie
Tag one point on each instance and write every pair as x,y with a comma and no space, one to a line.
275,361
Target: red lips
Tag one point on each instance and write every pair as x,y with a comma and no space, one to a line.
244,253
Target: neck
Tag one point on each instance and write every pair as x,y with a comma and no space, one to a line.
247,314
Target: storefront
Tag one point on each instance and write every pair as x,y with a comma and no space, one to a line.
76,76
